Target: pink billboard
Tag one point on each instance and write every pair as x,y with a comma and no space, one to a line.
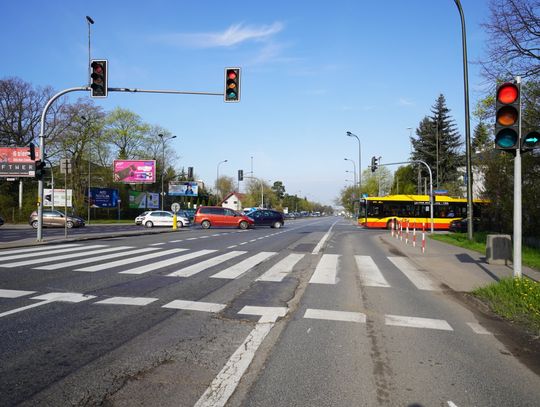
134,171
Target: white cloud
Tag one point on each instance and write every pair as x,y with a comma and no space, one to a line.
405,102
235,34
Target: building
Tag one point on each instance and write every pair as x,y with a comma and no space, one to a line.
233,200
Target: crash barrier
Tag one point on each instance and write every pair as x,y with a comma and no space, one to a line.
498,249
402,228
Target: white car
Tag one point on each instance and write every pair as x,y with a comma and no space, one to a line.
160,218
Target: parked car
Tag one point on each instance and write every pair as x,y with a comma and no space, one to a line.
188,213
208,216
161,218
56,218
267,217
1,220
460,225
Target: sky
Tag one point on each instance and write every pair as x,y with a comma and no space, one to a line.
311,71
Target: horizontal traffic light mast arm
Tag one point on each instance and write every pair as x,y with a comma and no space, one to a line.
173,92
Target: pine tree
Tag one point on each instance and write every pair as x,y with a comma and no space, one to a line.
481,140
437,144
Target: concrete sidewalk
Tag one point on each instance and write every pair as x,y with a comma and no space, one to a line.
460,269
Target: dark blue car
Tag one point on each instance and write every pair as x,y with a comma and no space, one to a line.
267,217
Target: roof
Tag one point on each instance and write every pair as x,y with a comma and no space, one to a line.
239,195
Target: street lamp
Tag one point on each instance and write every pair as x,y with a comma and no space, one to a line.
90,22
359,160
354,166
163,140
217,175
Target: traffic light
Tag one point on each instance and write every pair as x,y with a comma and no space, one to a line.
40,169
232,84
530,141
507,117
32,151
374,164
190,173
240,175
98,78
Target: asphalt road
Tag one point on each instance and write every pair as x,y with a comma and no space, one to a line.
318,313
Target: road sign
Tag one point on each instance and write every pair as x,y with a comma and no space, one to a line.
175,207
65,166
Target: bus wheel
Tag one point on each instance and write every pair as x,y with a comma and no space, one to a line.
390,224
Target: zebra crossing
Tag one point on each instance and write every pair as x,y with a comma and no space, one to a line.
229,265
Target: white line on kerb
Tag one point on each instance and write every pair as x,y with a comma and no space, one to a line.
323,240
224,385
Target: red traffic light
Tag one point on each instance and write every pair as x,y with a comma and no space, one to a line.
232,85
98,78
507,93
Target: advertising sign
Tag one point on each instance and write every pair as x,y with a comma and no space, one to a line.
16,162
143,200
134,171
103,197
58,197
184,189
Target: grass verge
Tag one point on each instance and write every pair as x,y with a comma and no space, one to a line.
516,299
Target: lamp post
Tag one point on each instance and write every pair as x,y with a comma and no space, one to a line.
90,22
355,185
467,124
359,161
163,140
217,175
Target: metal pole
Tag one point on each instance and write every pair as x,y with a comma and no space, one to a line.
42,149
162,169
217,175
90,22
467,125
517,200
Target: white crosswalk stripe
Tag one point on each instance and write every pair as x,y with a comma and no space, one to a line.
66,256
37,249
167,262
204,265
38,254
244,266
131,260
370,275
326,270
413,274
124,253
284,267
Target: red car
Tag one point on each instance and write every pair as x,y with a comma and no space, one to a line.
208,216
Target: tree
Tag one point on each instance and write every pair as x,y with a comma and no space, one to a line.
404,181
437,143
127,132
224,185
279,190
513,32
481,139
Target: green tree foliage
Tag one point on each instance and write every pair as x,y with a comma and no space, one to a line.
224,185
437,143
127,132
405,181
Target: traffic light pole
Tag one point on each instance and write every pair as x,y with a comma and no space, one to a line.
79,89
430,184
517,200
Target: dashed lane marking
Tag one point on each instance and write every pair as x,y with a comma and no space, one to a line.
329,315
128,301
416,322
195,306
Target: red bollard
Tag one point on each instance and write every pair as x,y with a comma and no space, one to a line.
414,234
423,237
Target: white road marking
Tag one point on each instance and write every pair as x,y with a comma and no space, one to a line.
57,251
317,248
127,301
195,306
167,262
370,274
451,404
478,329
50,298
238,269
267,314
281,269
14,293
326,270
37,249
94,259
156,244
225,383
192,238
335,315
233,246
416,277
65,257
175,241
136,259
197,268
416,322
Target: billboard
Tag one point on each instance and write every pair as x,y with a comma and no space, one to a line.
16,162
134,171
103,197
58,197
143,200
184,189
